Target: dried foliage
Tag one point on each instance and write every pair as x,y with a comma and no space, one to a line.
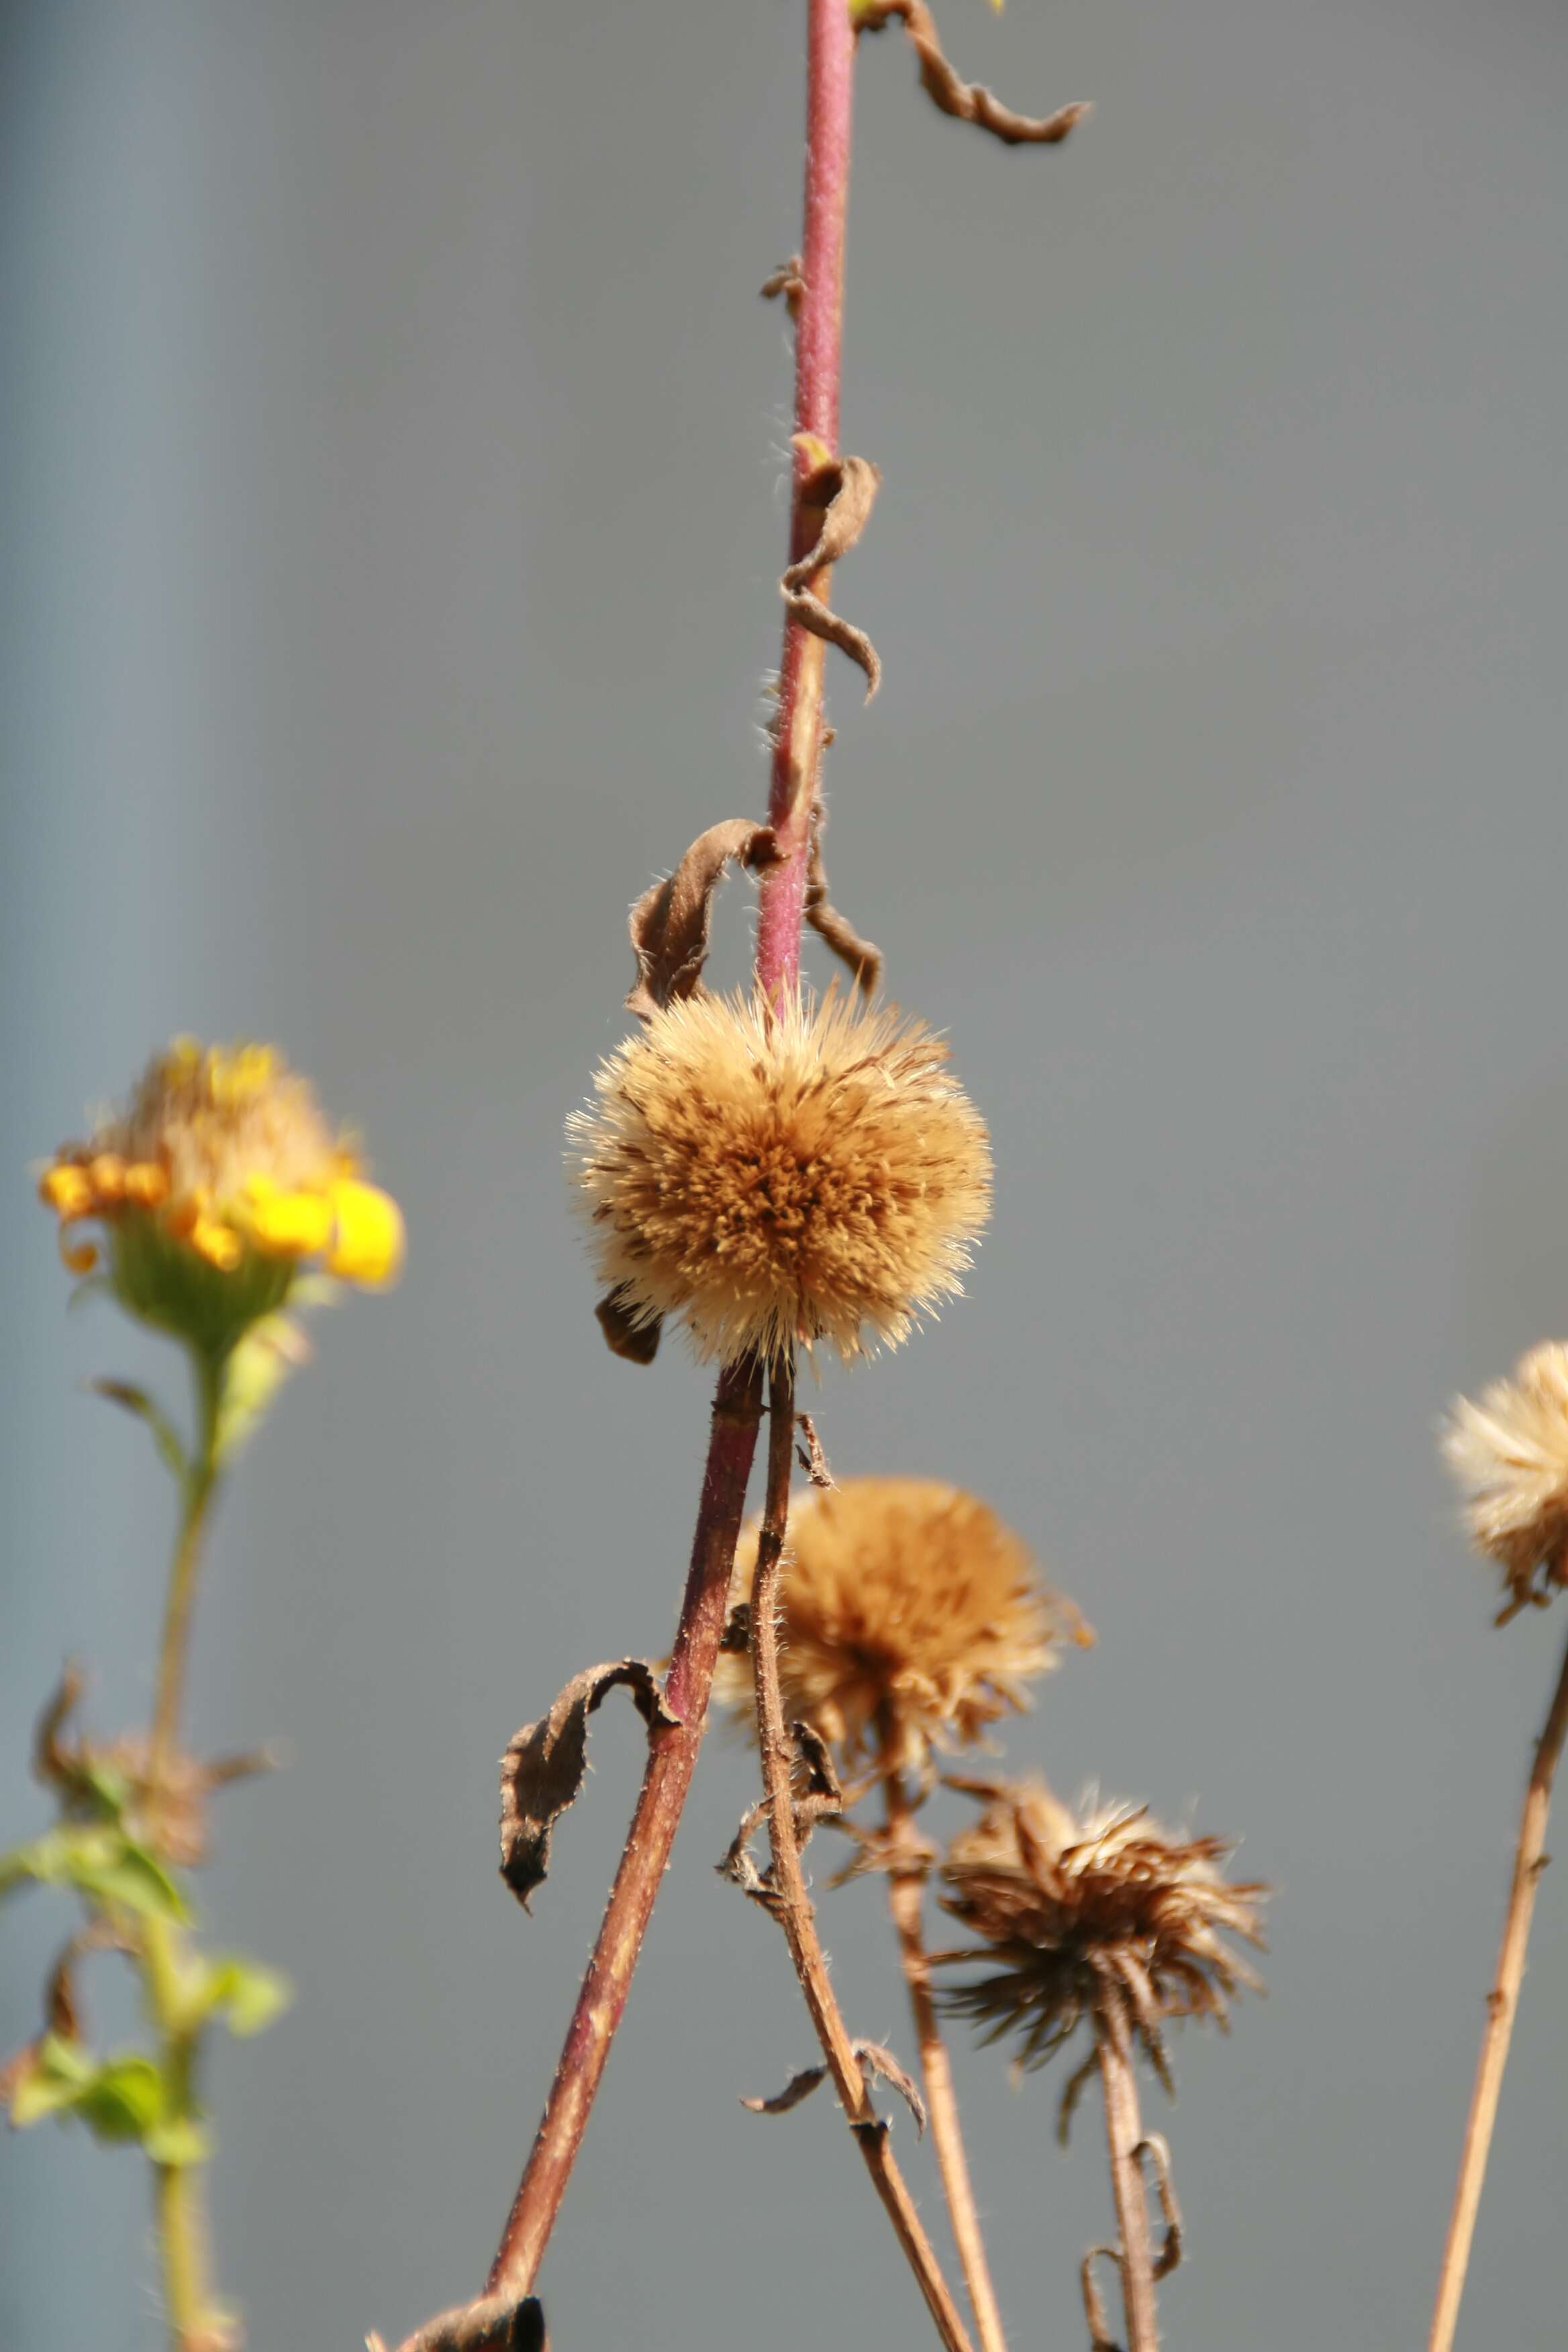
843,488
913,1619
671,922
541,1772
1509,1450
966,101
1107,1915
807,1174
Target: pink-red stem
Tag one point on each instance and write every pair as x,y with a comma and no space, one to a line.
797,736
793,792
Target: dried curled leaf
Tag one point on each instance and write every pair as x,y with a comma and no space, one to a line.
636,1342
541,1772
671,922
494,2324
845,489
876,2061
810,1455
832,928
967,101
799,2086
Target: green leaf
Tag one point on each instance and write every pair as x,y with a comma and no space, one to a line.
100,1862
249,1995
166,1437
180,2140
123,2100
254,1371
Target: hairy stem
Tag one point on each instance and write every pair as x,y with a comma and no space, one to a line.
793,792
173,1648
180,2206
1502,2004
1124,2136
906,1902
794,783
792,1903
195,2325
672,1759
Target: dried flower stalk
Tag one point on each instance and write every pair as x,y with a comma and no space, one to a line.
789,1901
1502,2006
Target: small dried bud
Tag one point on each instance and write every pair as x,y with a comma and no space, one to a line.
1509,1453
912,1618
1103,1916
772,1176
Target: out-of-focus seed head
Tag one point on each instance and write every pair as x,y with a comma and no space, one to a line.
1102,1915
219,1180
809,1172
913,1619
1508,1450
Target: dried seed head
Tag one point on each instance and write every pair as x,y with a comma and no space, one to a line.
1104,1916
1508,1450
214,1186
809,1173
912,1619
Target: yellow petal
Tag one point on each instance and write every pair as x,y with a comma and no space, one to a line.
108,1175
368,1235
219,1244
80,1258
290,1225
146,1184
68,1189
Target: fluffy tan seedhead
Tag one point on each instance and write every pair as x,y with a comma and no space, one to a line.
767,1176
912,1618
1509,1450
1101,1914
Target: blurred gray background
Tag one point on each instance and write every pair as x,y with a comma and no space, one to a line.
392,463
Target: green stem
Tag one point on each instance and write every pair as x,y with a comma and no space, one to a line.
200,1481
195,2325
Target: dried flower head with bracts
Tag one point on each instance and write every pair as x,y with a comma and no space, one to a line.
1509,1450
807,1172
1099,1915
913,1619
215,1185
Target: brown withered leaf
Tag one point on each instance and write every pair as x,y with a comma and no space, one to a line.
967,101
53,1761
636,1342
541,1772
834,929
810,1455
671,922
844,488
799,2086
786,280
494,2324
879,2062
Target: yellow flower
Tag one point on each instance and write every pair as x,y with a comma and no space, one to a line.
1508,1450
215,1185
912,1619
1091,1917
770,1176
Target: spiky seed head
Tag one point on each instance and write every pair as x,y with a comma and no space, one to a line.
1508,1450
1099,1914
912,1618
767,1175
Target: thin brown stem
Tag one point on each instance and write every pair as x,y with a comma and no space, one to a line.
1124,2136
1502,2005
791,1902
906,1901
